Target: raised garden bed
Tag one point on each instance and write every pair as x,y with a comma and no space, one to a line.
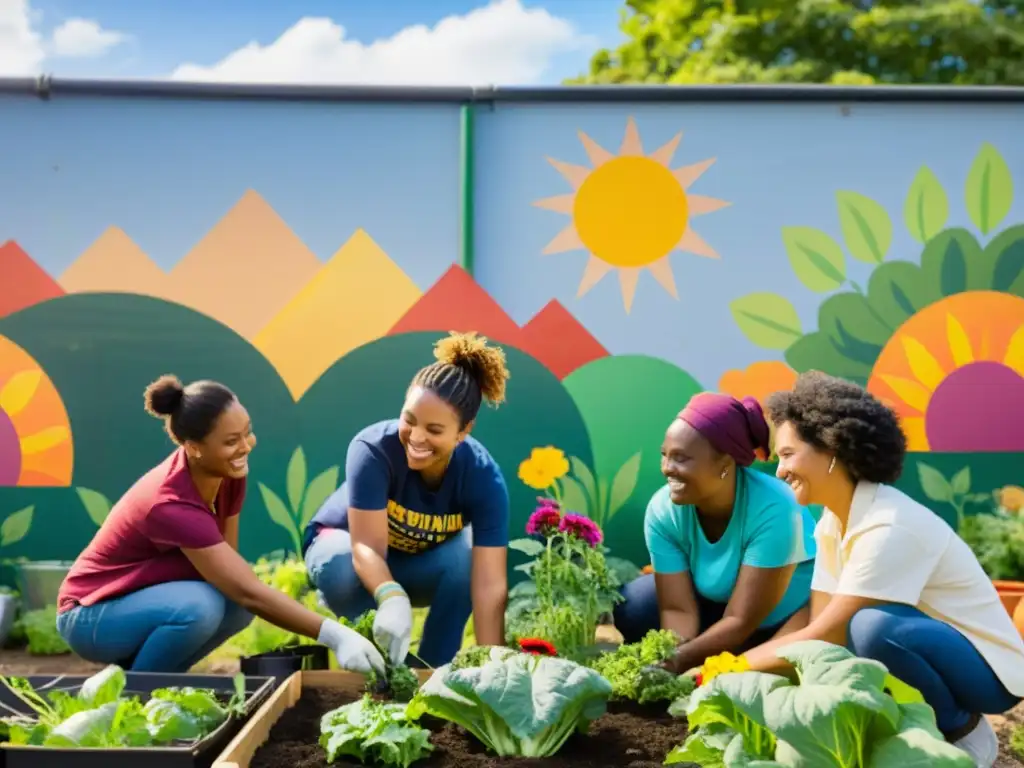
286,732
199,754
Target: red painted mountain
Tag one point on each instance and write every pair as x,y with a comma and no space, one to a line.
24,282
560,341
457,303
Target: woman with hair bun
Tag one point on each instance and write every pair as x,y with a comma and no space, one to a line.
422,516
731,549
162,584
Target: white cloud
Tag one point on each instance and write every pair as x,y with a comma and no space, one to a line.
502,43
82,38
21,47
24,50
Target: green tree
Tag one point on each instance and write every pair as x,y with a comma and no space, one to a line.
955,42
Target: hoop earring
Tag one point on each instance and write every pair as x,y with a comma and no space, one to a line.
725,473
832,465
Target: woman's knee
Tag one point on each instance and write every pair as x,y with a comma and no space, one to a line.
200,606
870,629
330,567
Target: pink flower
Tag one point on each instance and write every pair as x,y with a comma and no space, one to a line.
581,527
544,521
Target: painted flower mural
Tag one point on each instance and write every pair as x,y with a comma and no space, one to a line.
35,434
757,380
939,339
955,374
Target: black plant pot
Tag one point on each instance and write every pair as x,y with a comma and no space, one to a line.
284,662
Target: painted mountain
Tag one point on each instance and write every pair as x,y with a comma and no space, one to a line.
114,263
352,300
457,303
24,282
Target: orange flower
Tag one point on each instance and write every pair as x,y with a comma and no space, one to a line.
647,569
1011,498
758,380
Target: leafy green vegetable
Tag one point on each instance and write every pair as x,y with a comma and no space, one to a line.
516,703
838,716
40,628
624,668
400,681
373,731
101,716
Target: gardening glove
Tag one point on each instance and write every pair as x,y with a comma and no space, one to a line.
392,627
354,652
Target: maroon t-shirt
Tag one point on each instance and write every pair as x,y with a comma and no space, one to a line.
140,542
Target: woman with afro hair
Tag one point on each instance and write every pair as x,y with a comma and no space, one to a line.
422,516
892,581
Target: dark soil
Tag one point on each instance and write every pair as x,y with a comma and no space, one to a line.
627,736
1004,725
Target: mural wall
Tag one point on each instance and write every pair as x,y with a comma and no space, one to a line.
627,257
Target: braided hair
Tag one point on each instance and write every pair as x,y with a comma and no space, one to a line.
466,372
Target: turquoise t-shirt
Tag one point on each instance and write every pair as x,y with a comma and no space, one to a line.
768,529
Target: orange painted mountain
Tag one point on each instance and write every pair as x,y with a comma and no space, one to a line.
25,283
456,302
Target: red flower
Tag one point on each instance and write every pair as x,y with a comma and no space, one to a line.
544,521
537,646
700,679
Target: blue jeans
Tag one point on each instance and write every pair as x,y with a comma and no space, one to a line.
164,628
442,573
638,614
933,657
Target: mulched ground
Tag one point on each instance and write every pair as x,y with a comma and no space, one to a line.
625,737
1004,725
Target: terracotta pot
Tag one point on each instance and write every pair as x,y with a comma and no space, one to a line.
1010,592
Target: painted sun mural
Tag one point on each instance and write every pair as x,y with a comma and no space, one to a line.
954,372
35,434
630,211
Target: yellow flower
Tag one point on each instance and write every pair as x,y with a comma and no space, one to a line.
1011,497
721,664
544,466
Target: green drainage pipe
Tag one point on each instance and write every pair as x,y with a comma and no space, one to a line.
466,142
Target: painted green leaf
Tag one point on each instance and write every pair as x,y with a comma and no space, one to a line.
853,326
573,497
296,478
897,290
927,207
529,547
948,258
816,258
961,482
277,510
602,493
319,490
934,485
97,506
16,526
767,319
866,225
815,351
624,484
586,478
1007,254
989,189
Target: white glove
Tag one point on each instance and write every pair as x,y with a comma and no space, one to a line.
354,652
392,628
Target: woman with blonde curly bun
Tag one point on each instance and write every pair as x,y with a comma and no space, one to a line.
422,516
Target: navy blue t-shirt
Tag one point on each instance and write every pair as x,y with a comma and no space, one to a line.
377,476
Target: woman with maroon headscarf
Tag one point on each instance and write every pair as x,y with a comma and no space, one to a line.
731,550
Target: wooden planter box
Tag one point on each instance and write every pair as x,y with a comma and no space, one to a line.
255,733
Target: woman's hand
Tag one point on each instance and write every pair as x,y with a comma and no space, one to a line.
392,627
354,652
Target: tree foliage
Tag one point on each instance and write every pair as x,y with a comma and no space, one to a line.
954,42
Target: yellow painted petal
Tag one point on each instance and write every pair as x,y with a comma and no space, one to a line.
44,440
1015,352
959,344
18,391
924,365
912,393
913,429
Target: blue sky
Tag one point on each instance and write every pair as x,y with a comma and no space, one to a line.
535,41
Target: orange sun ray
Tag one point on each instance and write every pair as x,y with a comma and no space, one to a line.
558,203
690,173
631,144
566,240
662,271
598,155
664,153
628,279
592,274
574,174
698,205
693,243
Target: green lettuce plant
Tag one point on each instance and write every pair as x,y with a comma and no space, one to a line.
837,715
374,732
516,704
